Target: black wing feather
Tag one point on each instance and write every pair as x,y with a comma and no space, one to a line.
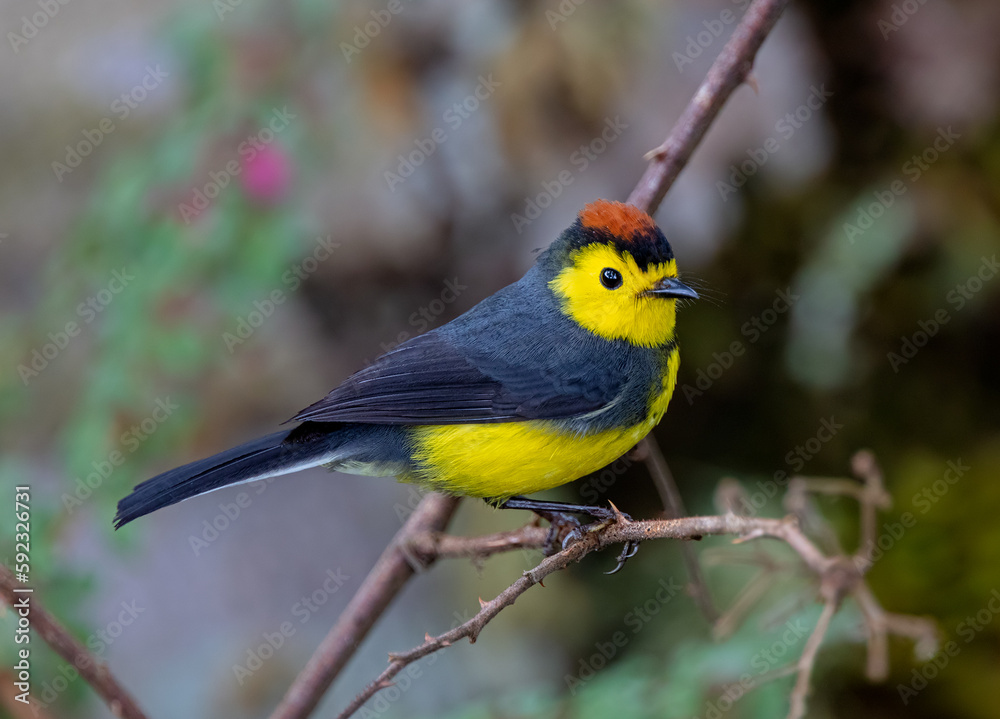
433,379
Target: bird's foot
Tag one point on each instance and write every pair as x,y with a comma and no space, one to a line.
607,517
564,525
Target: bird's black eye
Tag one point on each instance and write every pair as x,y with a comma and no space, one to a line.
611,278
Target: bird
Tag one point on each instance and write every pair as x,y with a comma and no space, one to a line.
547,380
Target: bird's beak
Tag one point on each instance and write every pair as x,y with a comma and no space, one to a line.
672,287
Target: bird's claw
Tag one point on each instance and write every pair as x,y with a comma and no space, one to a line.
628,551
609,517
565,529
558,523
631,546
574,536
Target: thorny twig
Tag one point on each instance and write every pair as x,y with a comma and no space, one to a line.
839,577
731,69
390,573
93,670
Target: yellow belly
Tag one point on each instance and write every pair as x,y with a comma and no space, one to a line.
501,460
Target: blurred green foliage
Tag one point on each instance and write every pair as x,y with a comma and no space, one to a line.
183,281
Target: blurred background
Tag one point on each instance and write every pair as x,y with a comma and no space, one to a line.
211,213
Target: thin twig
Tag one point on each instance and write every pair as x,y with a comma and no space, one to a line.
445,546
798,501
93,670
835,574
874,498
730,496
730,69
800,692
619,532
879,624
472,627
663,478
870,495
387,577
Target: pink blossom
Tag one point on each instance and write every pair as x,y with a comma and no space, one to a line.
267,175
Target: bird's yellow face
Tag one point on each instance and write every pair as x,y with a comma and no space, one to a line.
605,290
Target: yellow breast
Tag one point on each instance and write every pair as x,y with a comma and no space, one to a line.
502,460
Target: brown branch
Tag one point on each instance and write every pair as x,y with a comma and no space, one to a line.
870,495
880,624
873,498
800,692
387,577
675,528
448,546
474,626
838,578
93,670
730,69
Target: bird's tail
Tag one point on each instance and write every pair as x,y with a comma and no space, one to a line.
269,456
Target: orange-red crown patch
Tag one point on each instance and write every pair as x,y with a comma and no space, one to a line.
622,220
623,226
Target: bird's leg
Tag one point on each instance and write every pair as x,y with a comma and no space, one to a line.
560,515
563,527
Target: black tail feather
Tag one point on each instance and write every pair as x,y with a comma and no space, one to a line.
262,457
